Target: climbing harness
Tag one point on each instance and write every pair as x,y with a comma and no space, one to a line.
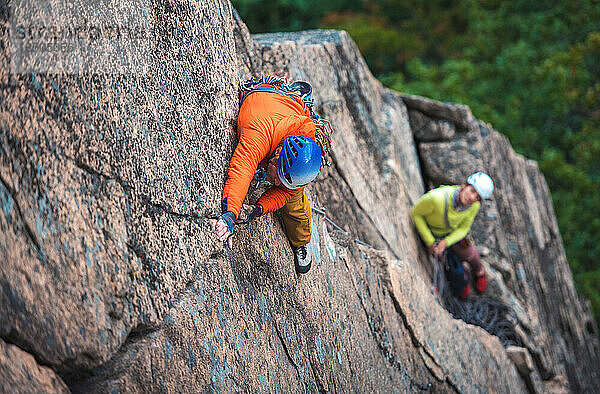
299,91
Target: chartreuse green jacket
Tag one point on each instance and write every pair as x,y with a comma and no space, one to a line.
428,215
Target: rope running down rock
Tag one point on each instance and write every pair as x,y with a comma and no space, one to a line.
324,213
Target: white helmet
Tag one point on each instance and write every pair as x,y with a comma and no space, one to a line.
482,183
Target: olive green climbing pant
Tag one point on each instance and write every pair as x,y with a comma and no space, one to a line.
297,215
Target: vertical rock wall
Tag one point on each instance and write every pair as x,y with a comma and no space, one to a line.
109,186
107,181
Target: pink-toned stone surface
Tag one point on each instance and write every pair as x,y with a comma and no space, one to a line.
109,187
20,373
107,184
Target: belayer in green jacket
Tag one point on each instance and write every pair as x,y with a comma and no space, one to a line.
444,216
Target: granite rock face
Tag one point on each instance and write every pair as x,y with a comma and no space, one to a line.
110,184
20,373
105,189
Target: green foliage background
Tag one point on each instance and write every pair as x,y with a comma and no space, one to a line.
531,68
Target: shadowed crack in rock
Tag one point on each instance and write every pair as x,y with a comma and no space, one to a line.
81,165
163,207
138,332
415,340
28,230
147,263
345,179
77,379
154,206
287,352
389,356
240,28
13,338
317,378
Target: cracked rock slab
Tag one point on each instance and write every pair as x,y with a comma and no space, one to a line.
426,129
249,321
107,186
114,279
20,373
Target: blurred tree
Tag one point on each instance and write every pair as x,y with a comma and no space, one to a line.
383,47
288,15
589,283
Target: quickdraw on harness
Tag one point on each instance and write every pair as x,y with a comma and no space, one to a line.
260,175
299,91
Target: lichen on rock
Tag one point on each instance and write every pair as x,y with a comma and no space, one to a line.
113,280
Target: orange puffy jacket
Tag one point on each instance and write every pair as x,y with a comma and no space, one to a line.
264,121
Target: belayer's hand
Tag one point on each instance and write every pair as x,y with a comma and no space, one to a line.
438,249
224,227
431,249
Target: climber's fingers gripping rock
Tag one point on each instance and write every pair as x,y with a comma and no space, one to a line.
224,227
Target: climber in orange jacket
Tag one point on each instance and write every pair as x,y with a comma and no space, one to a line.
275,134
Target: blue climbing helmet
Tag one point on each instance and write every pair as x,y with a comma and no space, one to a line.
299,161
